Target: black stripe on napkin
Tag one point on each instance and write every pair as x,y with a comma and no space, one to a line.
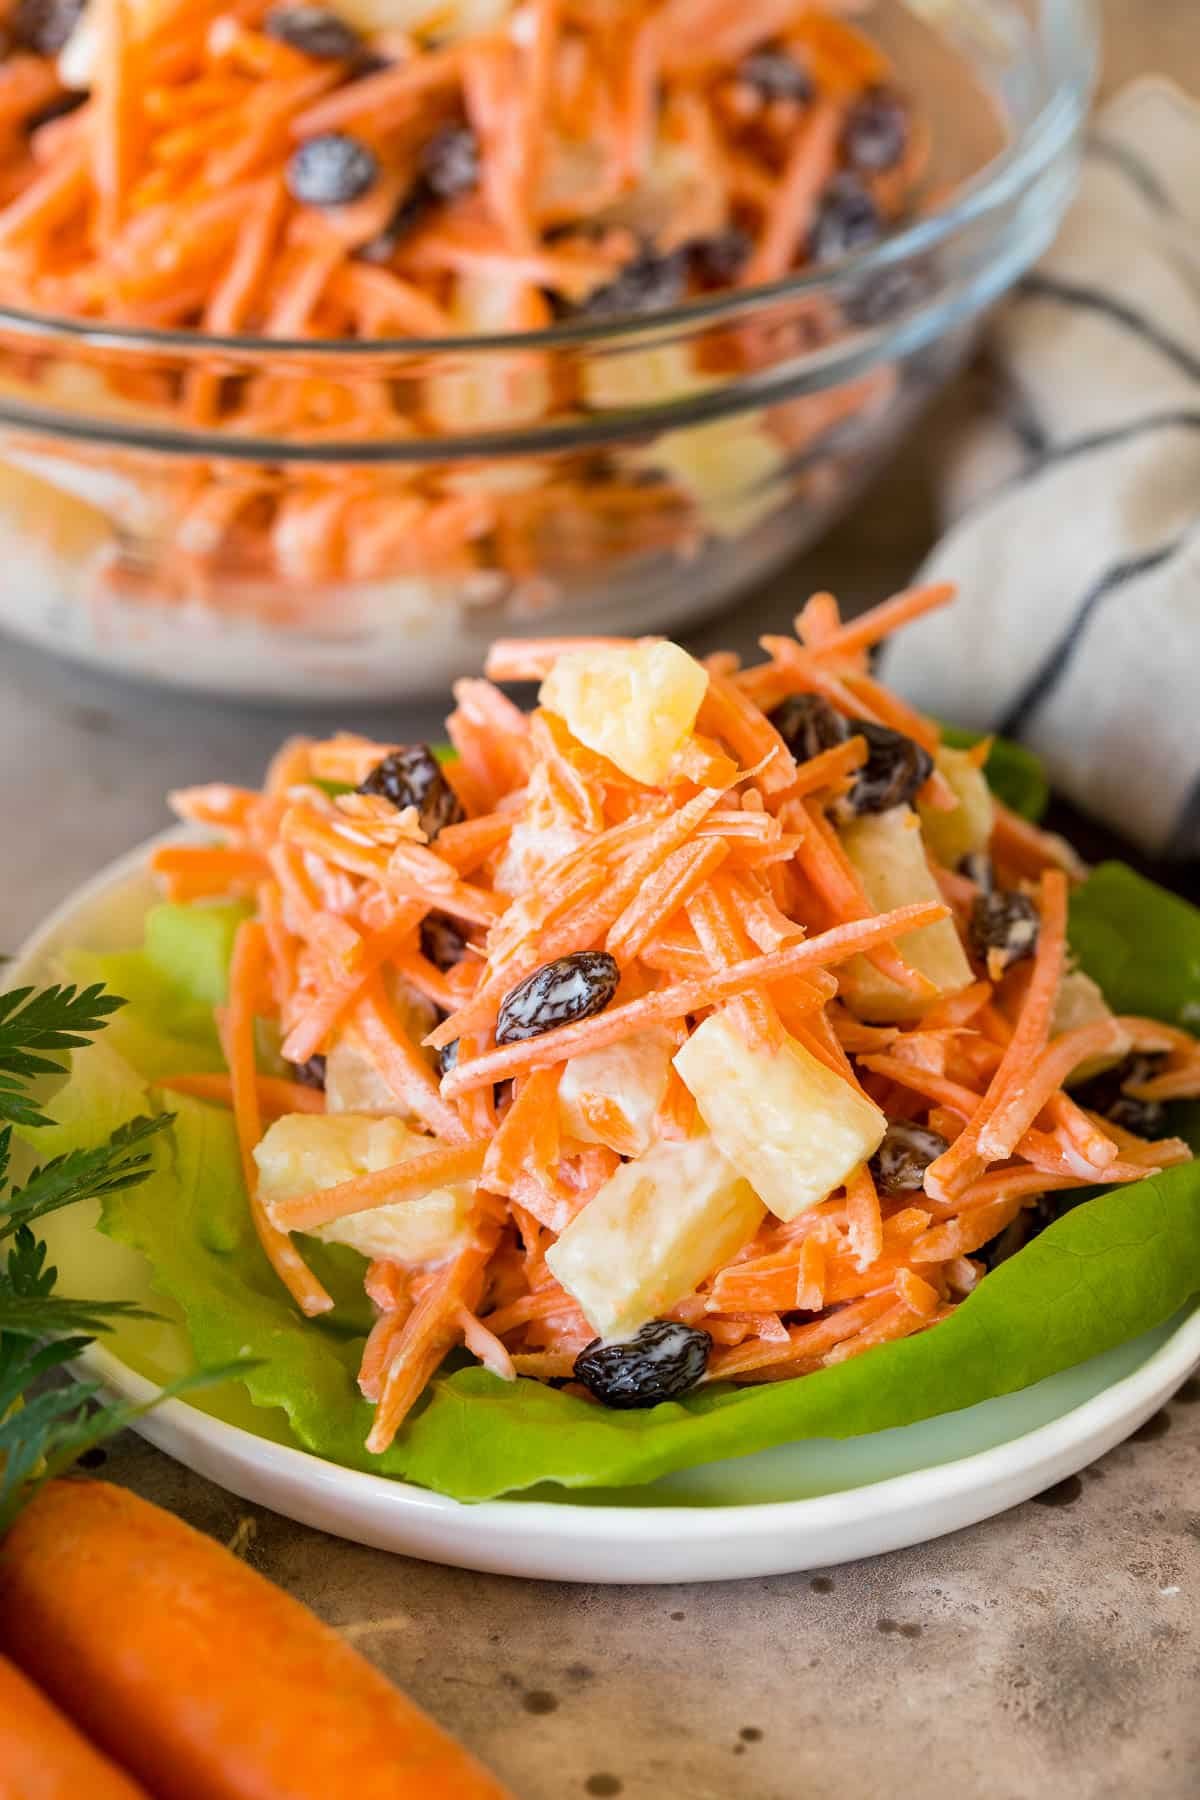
1057,660
1115,437
1138,173
1088,299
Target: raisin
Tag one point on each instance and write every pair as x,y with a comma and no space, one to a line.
649,283
441,941
976,865
717,261
774,75
906,1152
311,1073
847,219
409,213
331,170
808,724
1105,1094
887,294
572,987
45,25
875,135
660,1362
447,1057
315,31
450,162
895,771
411,777
1003,929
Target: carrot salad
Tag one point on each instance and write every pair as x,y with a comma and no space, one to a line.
392,169
705,1023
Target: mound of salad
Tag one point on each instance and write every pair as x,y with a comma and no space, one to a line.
705,1058
416,169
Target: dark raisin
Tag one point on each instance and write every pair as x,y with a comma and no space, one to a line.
717,261
408,215
648,284
450,162
895,771
808,725
976,865
572,987
906,1152
847,219
45,25
311,1073
875,135
315,31
447,1056
58,108
441,941
660,1362
1029,1223
1003,929
1105,1094
775,75
411,777
331,170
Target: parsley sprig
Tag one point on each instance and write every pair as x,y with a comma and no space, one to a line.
42,1331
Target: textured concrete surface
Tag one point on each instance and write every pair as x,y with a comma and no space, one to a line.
1050,1654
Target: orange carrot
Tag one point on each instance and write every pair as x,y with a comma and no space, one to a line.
440,1166
195,1673
43,1756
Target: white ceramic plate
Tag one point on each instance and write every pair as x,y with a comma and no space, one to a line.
799,1507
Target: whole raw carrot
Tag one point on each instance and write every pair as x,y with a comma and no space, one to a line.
44,1757
197,1674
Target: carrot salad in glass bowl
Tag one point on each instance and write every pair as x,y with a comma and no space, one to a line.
707,1024
373,326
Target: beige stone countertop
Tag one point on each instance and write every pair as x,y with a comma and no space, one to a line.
1051,1652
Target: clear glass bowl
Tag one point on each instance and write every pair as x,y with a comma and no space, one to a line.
406,501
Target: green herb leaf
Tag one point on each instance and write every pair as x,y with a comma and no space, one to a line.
33,1022
83,1174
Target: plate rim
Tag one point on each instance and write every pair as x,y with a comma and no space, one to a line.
650,1526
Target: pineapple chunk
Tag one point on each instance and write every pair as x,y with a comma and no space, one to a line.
731,468
889,853
635,705
612,1096
1080,1002
622,378
791,1126
953,835
654,1231
305,1151
353,1083
442,18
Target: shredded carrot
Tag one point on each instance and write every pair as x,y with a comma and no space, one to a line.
727,886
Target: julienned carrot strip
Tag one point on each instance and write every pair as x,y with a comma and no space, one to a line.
402,1065
864,1217
197,1674
443,1166
800,184
825,951
826,864
901,1321
246,972
862,633
204,872
44,1756
275,1097
964,1160
804,1341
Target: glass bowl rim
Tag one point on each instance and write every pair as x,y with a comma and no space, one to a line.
1071,54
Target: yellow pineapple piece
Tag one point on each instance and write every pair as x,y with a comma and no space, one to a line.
305,1151
953,835
612,1096
888,851
636,705
1080,1002
730,467
792,1127
654,1231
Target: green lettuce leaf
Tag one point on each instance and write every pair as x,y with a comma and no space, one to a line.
1113,1267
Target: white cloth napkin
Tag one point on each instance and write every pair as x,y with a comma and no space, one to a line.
1073,497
